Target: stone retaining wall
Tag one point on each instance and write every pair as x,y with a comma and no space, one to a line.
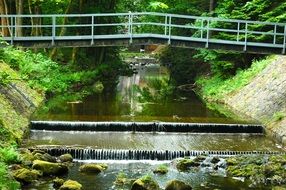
265,97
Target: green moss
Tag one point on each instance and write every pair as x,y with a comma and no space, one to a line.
71,185
49,168
92,168
145,183
278,116
6,180
162,169
186,164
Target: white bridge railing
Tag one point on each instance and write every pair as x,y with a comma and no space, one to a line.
130,26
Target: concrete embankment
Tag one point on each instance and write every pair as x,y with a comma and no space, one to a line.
17,102
264,98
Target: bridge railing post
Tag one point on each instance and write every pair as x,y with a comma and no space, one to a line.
202,28
53,29
170,29
166,25
92,30
130,27
275,34
245,36
12,29
284,41
208,33
238,31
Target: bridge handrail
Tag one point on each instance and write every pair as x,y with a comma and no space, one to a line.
204,27
145,13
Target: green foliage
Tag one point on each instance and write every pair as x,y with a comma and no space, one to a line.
216,87
4,78
9,155
6,181
278,116
45,75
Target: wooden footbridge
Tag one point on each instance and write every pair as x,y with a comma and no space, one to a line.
123,29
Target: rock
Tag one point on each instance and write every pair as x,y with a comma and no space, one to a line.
26,176
200,158
145,183
121,179
215,160
92,168
186,164
71,185
45,157
49,168
278,188
177,185
26,157
38,151
231,161
66,158
162,169
58,182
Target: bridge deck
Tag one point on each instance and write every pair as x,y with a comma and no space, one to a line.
123,29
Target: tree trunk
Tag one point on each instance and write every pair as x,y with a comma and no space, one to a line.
63,29
212,6
4,21
19,20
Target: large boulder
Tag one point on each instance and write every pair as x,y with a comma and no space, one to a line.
71,185
186,164
49,168
92,168
177,185
44,157
162,169
26,176
145,183
66,158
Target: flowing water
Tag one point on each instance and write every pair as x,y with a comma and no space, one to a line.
124,106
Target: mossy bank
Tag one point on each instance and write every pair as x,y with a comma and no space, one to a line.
258,92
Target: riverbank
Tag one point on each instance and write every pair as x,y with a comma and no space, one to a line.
258,92
17,102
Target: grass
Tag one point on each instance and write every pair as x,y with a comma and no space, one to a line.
278,116
215,88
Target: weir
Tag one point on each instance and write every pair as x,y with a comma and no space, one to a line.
115,154
147,127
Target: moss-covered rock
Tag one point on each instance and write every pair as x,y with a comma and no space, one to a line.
162,169
186,164
177,185
26,176
145,183
45,157
49,168
58,182
92,168
71,185
200,158
121,179
66,158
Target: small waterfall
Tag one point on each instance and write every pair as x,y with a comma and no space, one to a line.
110,154
147,127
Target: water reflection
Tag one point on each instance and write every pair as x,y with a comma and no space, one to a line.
123,105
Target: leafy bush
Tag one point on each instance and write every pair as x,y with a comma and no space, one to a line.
9,155
6,181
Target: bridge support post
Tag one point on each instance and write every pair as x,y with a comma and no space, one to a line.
238,31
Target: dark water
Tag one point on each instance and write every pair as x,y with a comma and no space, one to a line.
123,105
